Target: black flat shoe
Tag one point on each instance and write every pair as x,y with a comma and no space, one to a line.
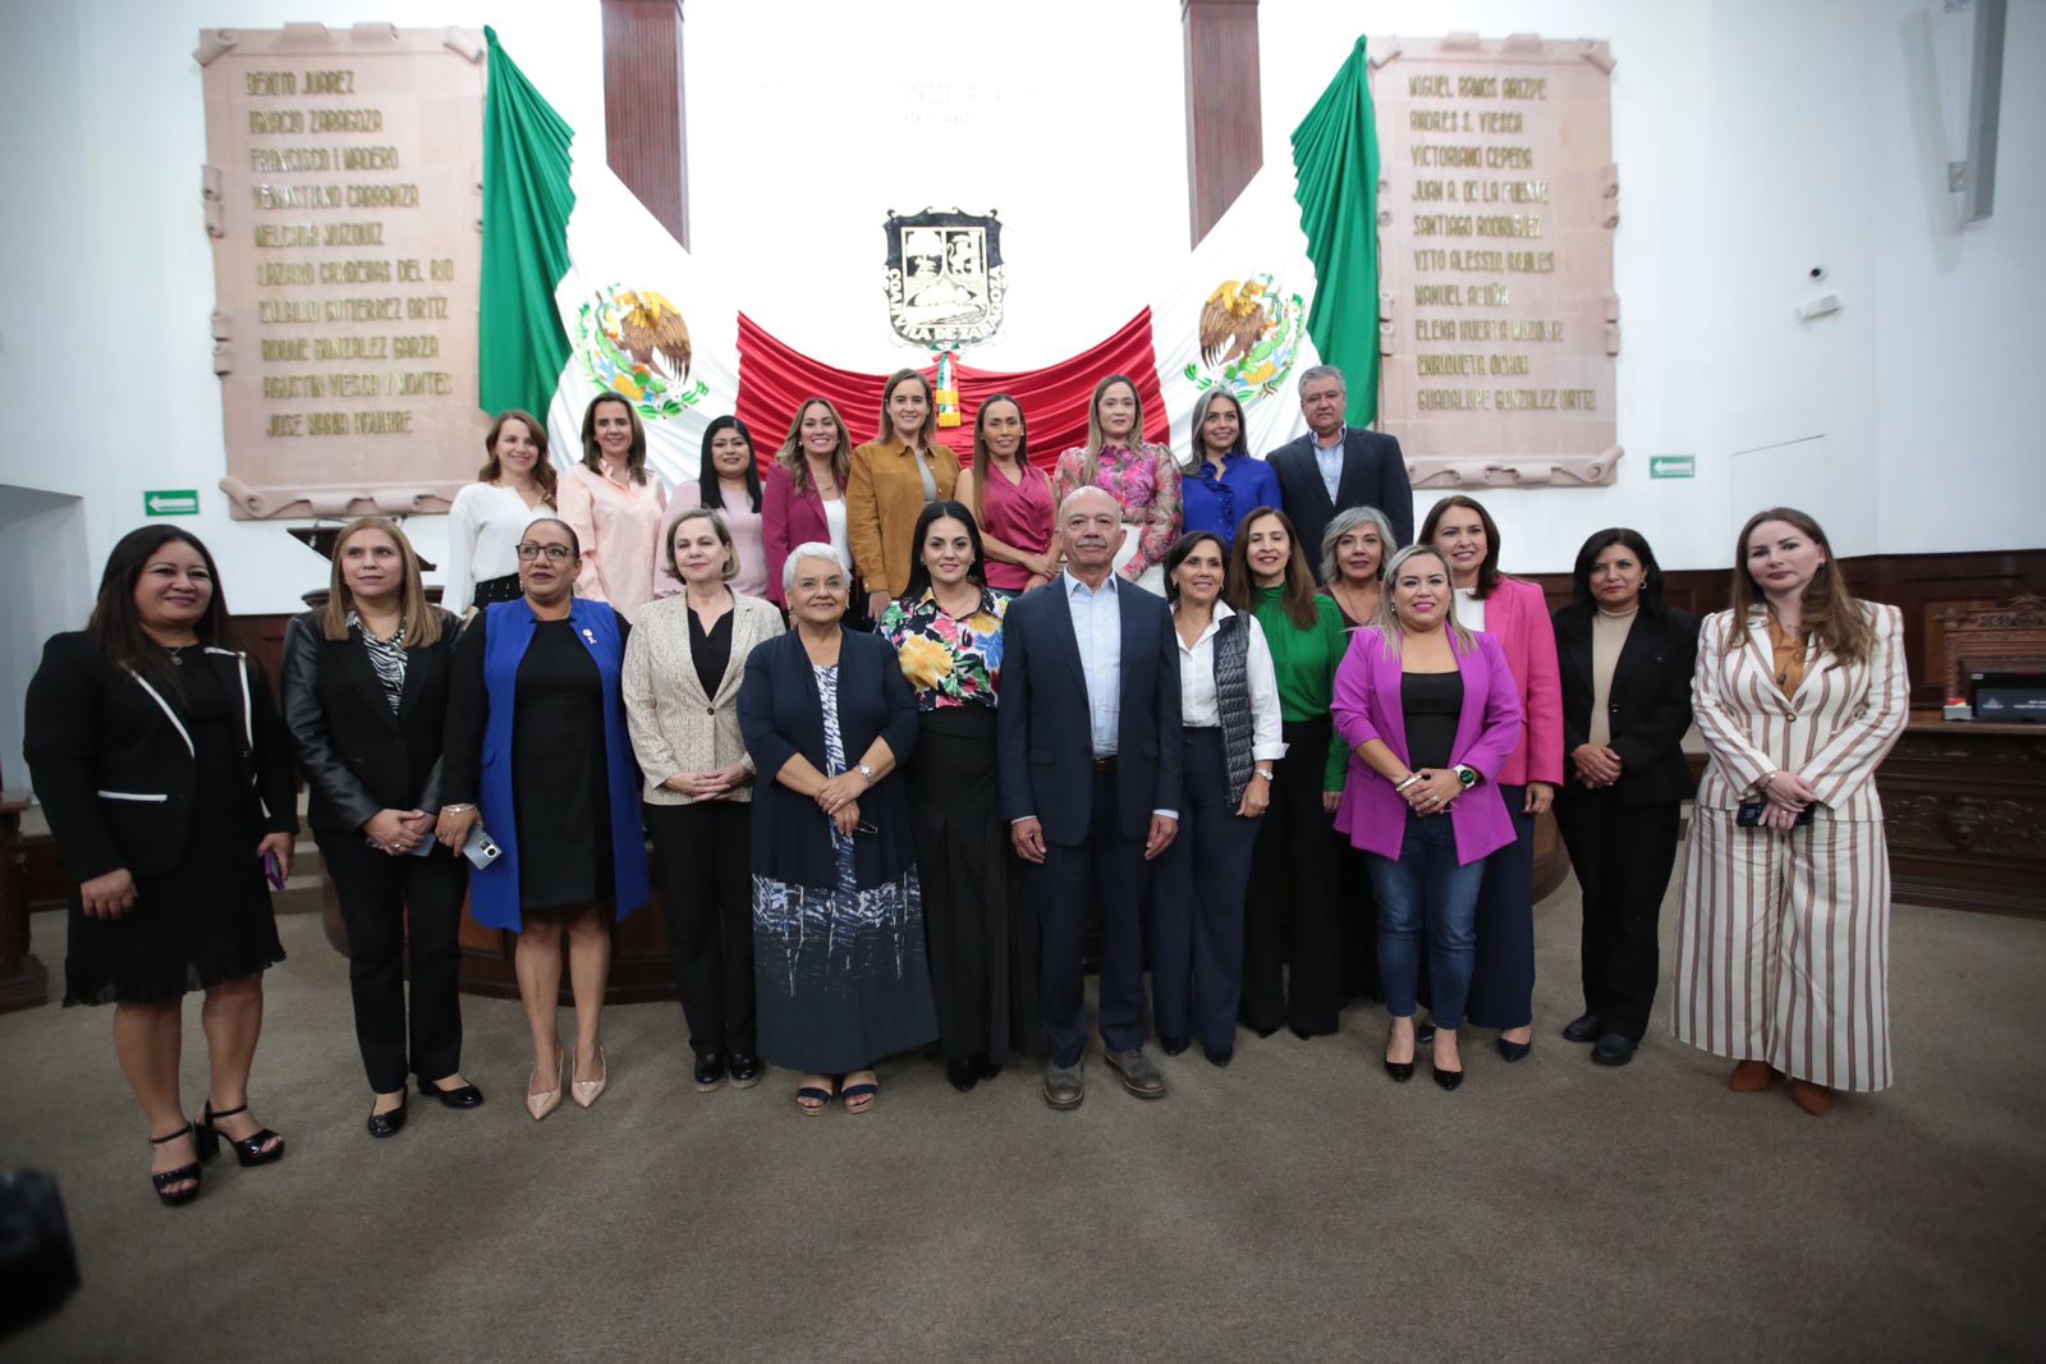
180,1175
710,1071
1614,1049
1448,1079
1264,1032
467,1096
962,1075
744,1068
1514,1051
387,1124
248,1151
985,1068
1219,1057
1173,1046
1584,1028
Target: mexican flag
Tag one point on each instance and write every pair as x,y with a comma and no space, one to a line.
1287,279
585,292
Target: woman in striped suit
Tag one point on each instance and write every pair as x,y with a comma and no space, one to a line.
1784,942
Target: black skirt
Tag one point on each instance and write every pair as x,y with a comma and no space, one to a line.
206,920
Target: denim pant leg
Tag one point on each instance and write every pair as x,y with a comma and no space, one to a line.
1452,913
1399,886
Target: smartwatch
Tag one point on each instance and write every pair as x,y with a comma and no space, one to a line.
1467,775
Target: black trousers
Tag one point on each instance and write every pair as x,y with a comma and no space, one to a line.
702,856
1107,870
1196,932
397,908
1622,855
1291,915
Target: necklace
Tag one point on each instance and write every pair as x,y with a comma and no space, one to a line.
177,653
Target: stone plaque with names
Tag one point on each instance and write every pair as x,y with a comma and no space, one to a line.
1497,202
343,195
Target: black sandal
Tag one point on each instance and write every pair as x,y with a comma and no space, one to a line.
248,1151
178,1176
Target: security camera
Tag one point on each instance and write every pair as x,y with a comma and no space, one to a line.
1817,272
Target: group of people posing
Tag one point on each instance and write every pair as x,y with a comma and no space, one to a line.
902,734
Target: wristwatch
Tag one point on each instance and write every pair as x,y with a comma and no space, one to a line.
1264,772
866,772
1467,775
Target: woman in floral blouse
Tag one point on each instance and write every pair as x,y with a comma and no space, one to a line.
947,631
1143,479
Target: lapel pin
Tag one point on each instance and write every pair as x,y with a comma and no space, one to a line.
592,639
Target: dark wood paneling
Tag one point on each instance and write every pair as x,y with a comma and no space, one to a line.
24,984
645,124
1925,586
1224,110
1965,811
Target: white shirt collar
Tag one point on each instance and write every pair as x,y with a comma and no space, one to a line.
1073,584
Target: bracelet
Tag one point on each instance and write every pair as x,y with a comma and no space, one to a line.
455,809
1412,777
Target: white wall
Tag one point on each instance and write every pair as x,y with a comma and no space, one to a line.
1755,139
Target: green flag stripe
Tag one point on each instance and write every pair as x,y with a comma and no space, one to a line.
1335,167
526,204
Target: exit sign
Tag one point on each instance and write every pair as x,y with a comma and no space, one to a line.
171,502
1672,466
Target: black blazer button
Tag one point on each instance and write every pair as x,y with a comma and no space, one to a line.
710,710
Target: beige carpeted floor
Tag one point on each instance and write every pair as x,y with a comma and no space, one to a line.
1297,1205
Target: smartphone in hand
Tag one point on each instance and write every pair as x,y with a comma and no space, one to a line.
273,871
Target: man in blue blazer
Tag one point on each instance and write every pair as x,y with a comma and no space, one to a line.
1336,467
1090,751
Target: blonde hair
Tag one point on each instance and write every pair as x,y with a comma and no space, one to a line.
419,620
1387,621
717,524
1095,438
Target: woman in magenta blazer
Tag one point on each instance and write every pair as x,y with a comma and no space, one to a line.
1429,711
803,492
1516,614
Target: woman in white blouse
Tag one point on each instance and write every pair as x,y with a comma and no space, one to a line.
488,516
615,506
1229,708
728,482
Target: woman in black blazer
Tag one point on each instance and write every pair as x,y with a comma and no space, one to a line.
366,698
166,775
1626,664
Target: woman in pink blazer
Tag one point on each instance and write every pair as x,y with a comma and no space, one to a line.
1516,615
1430,712
803,492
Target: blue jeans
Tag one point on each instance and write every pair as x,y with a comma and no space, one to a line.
1425,890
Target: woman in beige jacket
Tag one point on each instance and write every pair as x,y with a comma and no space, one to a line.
683,667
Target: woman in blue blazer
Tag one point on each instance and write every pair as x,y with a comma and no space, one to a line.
538,753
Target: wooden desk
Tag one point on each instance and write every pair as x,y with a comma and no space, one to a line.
1965,806
24,984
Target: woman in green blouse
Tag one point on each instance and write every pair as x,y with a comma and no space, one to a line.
1292,911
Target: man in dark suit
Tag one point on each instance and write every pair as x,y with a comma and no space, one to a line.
1090,750
1335,467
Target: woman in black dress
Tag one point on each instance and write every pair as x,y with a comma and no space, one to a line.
838,934
946,631
166,775
538,757
366,699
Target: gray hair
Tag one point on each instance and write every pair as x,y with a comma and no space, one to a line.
1387,622
1083,490
1313,372
809,549
1345,522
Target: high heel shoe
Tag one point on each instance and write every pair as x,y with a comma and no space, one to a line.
587,1092
1448,1079
1401,1071
180,1175
545,1101
1515,1051
248,1151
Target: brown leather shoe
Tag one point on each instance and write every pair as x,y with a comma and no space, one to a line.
1816,1100
1752,1077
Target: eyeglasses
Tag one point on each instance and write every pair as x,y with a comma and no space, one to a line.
554,553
